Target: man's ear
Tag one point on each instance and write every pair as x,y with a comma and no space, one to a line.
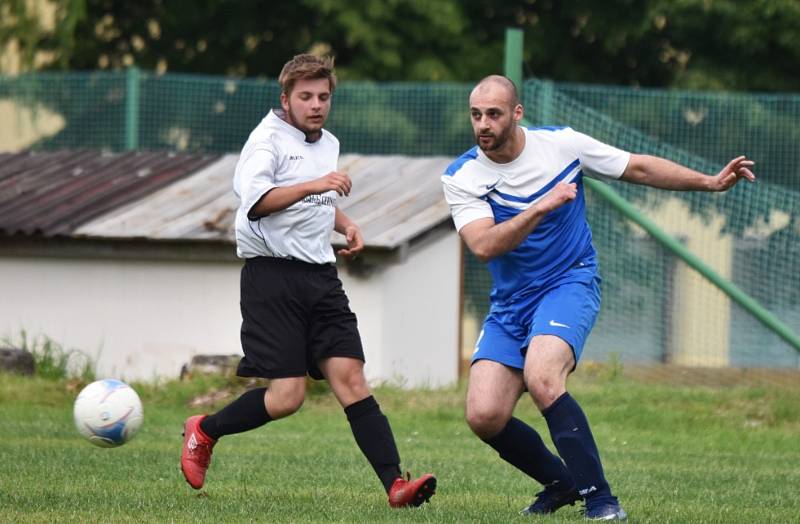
519,112
285,102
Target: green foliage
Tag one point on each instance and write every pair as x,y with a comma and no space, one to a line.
51,359
650,43
29,27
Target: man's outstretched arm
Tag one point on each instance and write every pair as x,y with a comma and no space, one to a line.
661,173
488,240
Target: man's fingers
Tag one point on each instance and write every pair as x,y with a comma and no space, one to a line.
746,173
738,163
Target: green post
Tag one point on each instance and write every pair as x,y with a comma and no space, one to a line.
132,80
513,65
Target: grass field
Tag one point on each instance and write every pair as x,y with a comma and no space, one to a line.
673,454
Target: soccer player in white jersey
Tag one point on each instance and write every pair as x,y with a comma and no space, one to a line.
517,202
296,318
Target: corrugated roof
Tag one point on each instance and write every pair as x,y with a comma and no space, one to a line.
52,193
394,199
199,207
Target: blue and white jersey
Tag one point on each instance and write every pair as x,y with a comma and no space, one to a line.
476,187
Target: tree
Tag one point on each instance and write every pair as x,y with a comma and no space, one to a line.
708,44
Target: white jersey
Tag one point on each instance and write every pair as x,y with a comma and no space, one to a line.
276,154
476,187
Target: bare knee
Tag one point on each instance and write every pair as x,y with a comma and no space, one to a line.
544,387
282,402
486,421
353,384
347,380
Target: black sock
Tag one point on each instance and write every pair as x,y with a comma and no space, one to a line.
374,436
575,443
243,414
522,447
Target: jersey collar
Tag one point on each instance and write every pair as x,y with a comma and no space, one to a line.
274,117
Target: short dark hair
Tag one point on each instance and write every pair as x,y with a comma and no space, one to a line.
306,67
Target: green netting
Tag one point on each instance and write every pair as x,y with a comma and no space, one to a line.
654,310
751,234
58,111
214,114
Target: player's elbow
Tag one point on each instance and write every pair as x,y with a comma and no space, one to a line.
480,241
638,169
483,252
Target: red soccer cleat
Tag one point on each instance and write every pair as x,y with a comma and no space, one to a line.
196,454
406,492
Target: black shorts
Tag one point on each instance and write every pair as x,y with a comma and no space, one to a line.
294,314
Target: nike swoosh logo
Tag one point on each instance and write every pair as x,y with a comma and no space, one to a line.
558,324
490,187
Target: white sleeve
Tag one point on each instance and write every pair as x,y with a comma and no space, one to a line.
599,160
464,206
255,176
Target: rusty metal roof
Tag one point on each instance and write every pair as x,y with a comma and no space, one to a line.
184,197
394,199
53,193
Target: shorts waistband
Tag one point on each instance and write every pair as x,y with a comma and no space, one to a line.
288,263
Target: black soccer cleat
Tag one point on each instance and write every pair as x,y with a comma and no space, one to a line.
549,500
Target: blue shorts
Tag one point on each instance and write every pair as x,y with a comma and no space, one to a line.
566,310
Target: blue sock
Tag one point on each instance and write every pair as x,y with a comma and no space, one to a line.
522,447
570,432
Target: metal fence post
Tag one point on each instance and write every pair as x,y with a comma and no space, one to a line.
132,80
513,63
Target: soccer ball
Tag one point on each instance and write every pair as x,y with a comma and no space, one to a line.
108,413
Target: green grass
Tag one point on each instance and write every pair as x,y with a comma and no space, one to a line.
672,454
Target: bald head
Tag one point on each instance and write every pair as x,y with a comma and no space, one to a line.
498,87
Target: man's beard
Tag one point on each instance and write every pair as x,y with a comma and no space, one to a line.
312,135
499,140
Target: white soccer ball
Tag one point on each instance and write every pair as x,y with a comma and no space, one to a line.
108,413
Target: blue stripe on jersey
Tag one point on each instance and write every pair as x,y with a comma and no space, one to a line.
547,128
559,242
561,176
472,154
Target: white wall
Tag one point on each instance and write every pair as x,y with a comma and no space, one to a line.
409,323
144,319
141,319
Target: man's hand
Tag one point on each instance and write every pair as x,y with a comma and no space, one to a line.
334,181
737,169
558,196
355,242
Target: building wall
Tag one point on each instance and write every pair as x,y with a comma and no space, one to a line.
139,319
145,319
410,322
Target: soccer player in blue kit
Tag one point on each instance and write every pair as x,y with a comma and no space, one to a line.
517,202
